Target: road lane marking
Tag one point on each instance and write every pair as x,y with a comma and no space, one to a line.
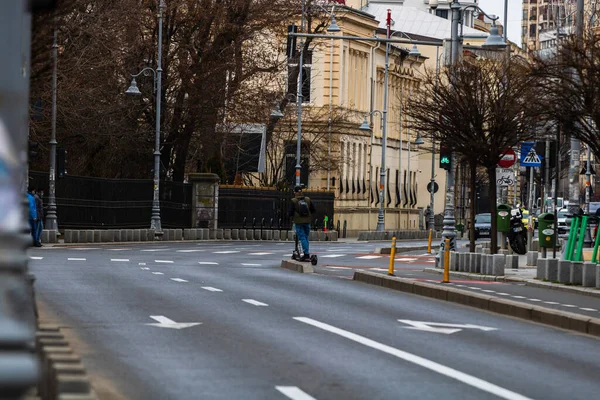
158,273
332,255
36,258
521,297
255,302
339,268
474,288
368,257
189,251
261,254
588,309
551,302
406,259
119,259
145,268
178,280
208,263
294,393
534,300
164,322
251,265
568,305
163,261
488,291
141,263
420,361
118,249
226,252
503,294
211,289
85,248
155,250
76,259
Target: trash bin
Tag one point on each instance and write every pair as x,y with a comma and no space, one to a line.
503,218
546,230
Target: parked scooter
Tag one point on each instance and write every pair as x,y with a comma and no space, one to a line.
517,235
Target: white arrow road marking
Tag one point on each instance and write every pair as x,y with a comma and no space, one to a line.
76,259
423,362
163,261
251,265
211,289
157,273
332,255
164,322
255,303
226,252
368,257
208,263
444,328
119,259
260,254
36,258
178,280
294,393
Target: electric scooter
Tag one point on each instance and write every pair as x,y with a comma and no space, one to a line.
297,254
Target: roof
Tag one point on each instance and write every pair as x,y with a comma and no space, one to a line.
417,22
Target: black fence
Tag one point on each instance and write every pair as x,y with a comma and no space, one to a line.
96,203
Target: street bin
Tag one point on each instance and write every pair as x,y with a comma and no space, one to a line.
503,218
546,230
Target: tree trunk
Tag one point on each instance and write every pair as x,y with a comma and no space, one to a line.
472,182
493,210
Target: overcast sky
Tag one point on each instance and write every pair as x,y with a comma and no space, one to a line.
515,8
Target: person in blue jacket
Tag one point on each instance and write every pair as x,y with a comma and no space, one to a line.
33,217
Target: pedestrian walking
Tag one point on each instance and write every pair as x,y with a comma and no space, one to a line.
32,214
39,225
301,210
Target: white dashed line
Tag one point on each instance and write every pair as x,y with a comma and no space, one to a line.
157,273
178,280
551,302
163,261
368,257
225,252
521,297
534,299
406,259
255,303
488,291
460,285
503,294
208,263
474,288
145,268
211,289
339,268
76,259
568,305
378,269
260,254
118,249
119,259
588,309
155,250
141,263
332,255
188,251
36,258
294,393
251,265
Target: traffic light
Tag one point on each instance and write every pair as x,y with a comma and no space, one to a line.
61,162
445,158
32,150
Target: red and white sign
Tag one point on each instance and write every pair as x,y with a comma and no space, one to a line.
508,159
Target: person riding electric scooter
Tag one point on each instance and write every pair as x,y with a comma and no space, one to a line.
301,210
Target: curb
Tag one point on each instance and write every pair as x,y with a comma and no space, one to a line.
297,266
556,318
63,374
528,282
401,249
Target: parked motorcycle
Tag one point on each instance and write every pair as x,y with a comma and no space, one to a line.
517,235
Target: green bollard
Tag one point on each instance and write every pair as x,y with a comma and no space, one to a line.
572,238
579,252
596,243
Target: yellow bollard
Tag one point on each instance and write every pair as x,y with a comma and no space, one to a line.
392,255
446,261
429,240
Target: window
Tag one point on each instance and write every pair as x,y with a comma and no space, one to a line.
442,13
306,76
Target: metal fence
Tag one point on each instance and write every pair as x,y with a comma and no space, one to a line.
96,203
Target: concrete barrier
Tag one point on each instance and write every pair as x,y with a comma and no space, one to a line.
576,272
206,234
564,271
137,235
235,234
588,274
249,234
598,276
178,234
532,257
226,234
189,234
512,261
290,235
332,236
297,266
454,256
242,234
499,262
257,234
551,271
219,233
82,236
276,234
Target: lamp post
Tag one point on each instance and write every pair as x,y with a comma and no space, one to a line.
51,218
366,127
155,222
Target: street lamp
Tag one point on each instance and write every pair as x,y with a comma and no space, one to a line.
155,222
51,218
366,127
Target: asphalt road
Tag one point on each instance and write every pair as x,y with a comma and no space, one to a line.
268,333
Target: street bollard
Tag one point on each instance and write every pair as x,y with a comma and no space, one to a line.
392,255
429,240
446,261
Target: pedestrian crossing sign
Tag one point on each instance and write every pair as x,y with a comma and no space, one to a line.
529,157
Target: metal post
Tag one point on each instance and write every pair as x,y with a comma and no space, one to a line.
432,193
330,115
19,368
155,222
51,218
546,177
381,215
299,99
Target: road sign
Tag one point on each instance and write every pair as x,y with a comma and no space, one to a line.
529,157
436,187
508,159
438,327
505,177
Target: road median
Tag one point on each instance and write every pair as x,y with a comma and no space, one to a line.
561,319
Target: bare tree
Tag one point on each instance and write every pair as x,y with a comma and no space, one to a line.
488,107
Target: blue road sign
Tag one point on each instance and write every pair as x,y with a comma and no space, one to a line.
529,157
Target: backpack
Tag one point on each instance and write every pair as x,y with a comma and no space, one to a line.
303,209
